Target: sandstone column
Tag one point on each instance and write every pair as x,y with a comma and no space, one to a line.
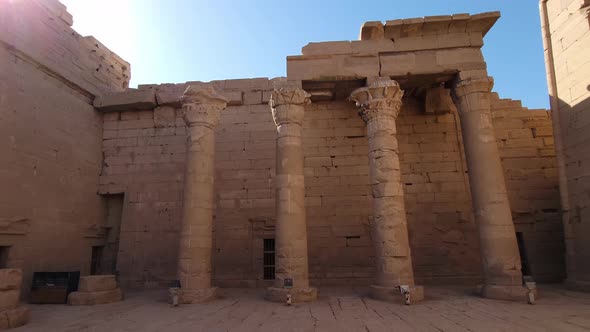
288,108
380,104
202,107
499,249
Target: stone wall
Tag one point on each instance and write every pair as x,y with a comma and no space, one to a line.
51,137
525,140
567,33
144,158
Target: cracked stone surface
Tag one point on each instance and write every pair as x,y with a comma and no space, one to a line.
337,309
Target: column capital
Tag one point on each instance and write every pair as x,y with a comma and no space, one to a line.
202,105
380,98
288,97
473,85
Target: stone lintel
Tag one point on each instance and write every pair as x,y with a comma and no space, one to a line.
414,27
131,99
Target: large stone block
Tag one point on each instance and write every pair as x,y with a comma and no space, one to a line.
127,100
92,298
317,67
10,279
9,299
97,283
12,318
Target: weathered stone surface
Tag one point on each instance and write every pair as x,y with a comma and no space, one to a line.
288,110
12,318
329,67
380,104
438,101
202,105
171,98
188,296
97,283
124,101
393,294
92,298
164,116
501,258
298,295
9,299
371,30
10,279
505,292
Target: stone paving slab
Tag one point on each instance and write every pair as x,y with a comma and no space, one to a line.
337,309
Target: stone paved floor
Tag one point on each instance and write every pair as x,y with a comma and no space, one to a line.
338,309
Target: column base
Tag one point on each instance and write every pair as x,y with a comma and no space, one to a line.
393,294
575,285
188,296
275,294
506,292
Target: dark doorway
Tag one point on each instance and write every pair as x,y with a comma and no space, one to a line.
269,259
96,261
4,256
524,261
114,215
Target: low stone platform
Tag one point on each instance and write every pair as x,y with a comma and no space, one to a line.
99,289
337,309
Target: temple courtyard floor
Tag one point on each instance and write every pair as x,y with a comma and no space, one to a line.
337,309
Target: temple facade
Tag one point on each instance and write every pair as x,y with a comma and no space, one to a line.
386,161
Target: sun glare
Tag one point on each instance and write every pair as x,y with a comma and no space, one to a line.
110,21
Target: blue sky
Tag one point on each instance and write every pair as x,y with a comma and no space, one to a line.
186,40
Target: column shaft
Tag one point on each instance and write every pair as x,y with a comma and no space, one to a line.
380,105
288,107
389,227
202,108
194,268
499,249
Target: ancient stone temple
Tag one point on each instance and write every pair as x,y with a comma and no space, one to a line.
566,37
387,162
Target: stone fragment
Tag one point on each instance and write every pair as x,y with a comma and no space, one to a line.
438,101
10,279
97,283
92,298
372,30
130,99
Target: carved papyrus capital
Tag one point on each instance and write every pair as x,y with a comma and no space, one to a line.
381,98
288,105
202,105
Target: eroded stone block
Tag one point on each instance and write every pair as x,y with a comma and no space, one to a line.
10,279
127,100
9,299
92,298
97,283
164,116
14,317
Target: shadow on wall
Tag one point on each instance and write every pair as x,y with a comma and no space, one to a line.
575,134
